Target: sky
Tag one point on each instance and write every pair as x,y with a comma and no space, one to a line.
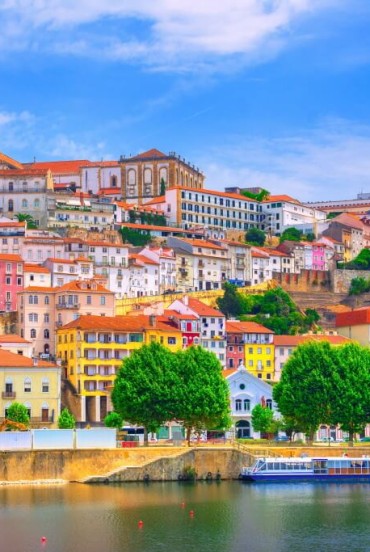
270,93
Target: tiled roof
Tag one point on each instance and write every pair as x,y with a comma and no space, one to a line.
35,268
136,323
39,289
12,338
101,164
148,154
203,243
286,198
295,340
11,258
214,192
229,372
355,317
246,327
12,224
12,360
10,161
155,200
110,191
142,259
259,254
202,309
61,261
274,252
179,316
23,172
78,285
348,220
60,167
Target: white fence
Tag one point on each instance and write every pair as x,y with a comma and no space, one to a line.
52,439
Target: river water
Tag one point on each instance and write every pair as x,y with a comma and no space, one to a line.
228,517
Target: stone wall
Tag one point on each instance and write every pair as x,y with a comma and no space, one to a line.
341,279
307,281
160,463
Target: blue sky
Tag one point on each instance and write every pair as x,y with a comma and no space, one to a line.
273,93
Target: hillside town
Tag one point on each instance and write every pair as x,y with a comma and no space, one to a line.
99,258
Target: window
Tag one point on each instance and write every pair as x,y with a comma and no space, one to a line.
10,204
19,281
36,203
46,318
259,351
33,299
46,301
33,334
88,300
269,404
247,405
27,385
8,268
8,280
238,404
171,341
33,317
102,300
46,334
268,350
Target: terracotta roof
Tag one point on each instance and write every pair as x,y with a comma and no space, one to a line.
137,323
23,172
10,161
59,167
229,372
35,268
203,243
101,164
274,252
12,360
142,259
155,200
77,285
39,289
259,254
202,309
12,338
179,316
355,317
61,261
12,258
286,198
110,191
147,154
348,220
246,327
12,224
295,340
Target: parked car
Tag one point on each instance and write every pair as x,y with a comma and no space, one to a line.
281,438
365,439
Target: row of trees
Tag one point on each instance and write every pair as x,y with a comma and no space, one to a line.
274,309
155,386
325,384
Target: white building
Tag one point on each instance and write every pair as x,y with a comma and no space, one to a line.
283,211
246,391
166,259
64,271
101,175
36,275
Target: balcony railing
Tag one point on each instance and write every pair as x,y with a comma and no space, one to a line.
8,395
68,305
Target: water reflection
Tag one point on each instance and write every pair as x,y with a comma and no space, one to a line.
228,517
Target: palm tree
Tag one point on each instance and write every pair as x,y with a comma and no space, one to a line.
28,219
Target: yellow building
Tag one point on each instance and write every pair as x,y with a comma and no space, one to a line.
32,382
92,349
256,342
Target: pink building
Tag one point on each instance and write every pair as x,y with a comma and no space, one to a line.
319,256
12,281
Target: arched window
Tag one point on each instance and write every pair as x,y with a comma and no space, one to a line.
269,404
131,177
27,385
163,174
33,333
36,203
46,300
24,203
113,181
238,404
11,187
46,334
10,205
243,429
147,176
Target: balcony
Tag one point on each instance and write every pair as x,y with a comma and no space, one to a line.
68,305
8,394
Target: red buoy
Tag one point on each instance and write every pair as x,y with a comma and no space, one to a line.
140,524
43,539
191,513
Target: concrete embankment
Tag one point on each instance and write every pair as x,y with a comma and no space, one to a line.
159,464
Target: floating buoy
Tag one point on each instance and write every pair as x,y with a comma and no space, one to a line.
191,513
140,524
182,504
43,539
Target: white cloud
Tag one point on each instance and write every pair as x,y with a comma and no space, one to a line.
330,161
162,33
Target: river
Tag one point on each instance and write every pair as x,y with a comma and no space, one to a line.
228,517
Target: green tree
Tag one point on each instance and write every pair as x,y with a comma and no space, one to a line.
28,219
232,303
351,385
361,262
135,237
17,412
66,420
113,419
305,392
254,236
358,286
291,234
310,237
204,394
262,418
162,188
146,387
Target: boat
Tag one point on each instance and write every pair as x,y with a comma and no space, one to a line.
296,469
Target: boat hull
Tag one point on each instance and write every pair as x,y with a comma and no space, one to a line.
311,478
